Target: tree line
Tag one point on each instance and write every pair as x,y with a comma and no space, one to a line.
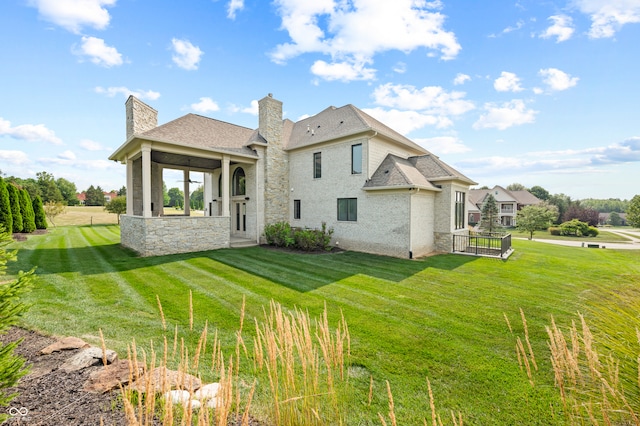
18,211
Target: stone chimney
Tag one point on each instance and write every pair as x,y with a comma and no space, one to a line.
276,171
140,116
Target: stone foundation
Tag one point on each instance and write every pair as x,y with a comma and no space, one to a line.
158,236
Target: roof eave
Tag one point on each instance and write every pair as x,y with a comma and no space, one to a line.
402,187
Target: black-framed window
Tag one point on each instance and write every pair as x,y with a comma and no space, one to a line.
356,159
459,210
317,165
348,209
239,183
296,209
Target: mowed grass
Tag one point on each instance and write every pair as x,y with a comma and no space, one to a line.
440,317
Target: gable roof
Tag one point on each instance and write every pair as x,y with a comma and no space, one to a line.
422,171
334,123
203,132
525,198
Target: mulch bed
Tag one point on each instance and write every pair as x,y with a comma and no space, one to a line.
49,396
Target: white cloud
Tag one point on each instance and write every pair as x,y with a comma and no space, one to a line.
608,16
400,68
461,79
29,132
140,94
233,6
75,14
205,105
501,117
507,82
352,33
557,80
253,109
186,55
443,145
562,28
16,158
90,145
516,27
343,71
404,122
99,53
430,99
67,155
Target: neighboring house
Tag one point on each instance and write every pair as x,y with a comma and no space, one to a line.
108,196
508,202
604,219
82,198
379,191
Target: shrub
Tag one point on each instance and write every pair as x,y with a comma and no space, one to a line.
279,234
593,231
574,228
554,230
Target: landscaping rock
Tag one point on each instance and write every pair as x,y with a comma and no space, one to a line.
67,343
174,379
178,396
208,394
109,377
86,358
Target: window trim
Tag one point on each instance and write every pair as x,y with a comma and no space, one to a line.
317,165
236,187
459,210
296,209
351,209
353,163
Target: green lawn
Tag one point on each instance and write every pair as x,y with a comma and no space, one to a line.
440,317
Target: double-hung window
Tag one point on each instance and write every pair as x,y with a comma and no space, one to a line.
317,165
348,209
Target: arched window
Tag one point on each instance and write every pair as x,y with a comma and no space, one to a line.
239,187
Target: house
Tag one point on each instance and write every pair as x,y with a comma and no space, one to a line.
508,202
379,191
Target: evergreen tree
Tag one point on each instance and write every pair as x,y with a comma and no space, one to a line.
490,219
40,218
28,218
95,196
69,191
633,212
48,189
6,220
11,365
14,201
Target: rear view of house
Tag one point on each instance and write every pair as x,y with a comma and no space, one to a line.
380,192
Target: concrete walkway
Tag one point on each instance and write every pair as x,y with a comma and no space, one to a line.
632,235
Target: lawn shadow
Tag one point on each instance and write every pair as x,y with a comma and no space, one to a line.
297,271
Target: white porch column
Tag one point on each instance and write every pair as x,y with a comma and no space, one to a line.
208,194
146,180
129,163
226,160
187,202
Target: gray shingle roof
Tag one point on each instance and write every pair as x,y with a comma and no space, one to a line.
414,172
203,132
333,123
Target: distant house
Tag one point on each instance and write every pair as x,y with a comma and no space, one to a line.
509,202
108,196
604,219
379,191
82,198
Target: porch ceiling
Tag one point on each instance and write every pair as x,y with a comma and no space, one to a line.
185,161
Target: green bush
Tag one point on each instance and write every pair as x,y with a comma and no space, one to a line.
593,231
554,230
279,234
575,228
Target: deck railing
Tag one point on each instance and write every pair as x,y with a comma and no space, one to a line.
483,244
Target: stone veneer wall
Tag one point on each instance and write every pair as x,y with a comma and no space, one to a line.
276,172
140,116
173,234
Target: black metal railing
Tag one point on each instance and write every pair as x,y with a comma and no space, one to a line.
484,244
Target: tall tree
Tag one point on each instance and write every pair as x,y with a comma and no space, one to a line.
176,197
118,206
196,199
615,219
37,211
576,211
490,217
633,212
14,201
69,191
533,218
48,189
516,187
6,219
122,191
165,195
95,196
562,202
540,192
26,208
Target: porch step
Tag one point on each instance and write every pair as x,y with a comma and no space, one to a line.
242,242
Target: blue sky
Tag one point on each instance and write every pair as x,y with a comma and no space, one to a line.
535,92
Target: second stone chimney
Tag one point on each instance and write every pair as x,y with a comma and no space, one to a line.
140,117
